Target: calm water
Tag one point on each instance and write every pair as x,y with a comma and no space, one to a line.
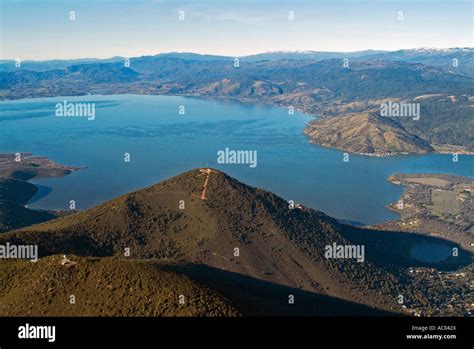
163,143
431,252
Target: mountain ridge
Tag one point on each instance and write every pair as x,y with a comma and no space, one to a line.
232,227
324,88
294,53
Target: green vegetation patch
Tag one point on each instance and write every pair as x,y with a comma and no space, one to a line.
56,286
445,202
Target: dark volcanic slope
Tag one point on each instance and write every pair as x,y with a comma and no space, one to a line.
13,216
15,191
275,243
102,287
14,194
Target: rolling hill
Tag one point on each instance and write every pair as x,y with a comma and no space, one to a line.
365,133
445,124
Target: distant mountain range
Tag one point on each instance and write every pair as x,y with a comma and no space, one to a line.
246,248
319,83
430,56
306,55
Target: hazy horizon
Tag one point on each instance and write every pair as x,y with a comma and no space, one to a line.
104,29
232,56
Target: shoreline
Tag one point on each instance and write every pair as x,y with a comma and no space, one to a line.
273,105
17,191
420,222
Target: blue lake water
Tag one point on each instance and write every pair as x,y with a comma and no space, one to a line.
163,143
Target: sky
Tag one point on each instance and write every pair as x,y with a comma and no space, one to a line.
34,29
